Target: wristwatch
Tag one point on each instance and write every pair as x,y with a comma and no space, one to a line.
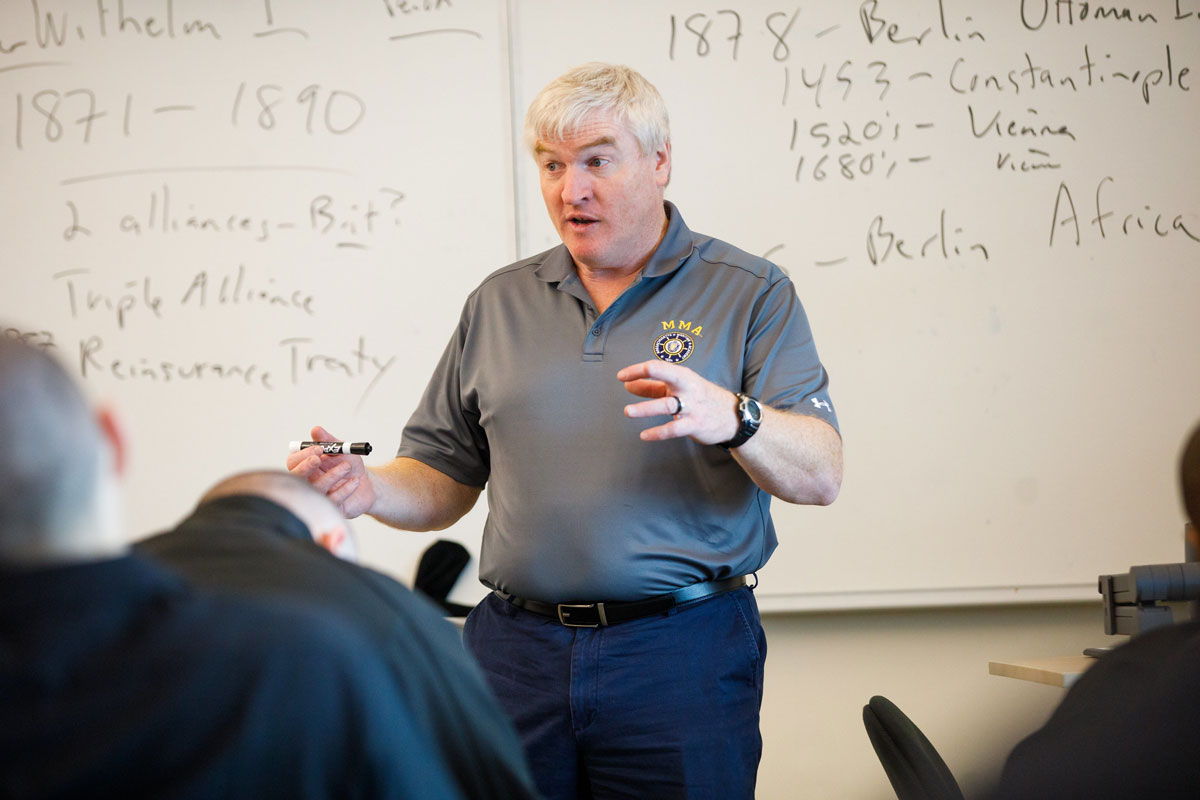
749,418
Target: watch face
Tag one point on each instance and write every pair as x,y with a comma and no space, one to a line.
749,418
752,410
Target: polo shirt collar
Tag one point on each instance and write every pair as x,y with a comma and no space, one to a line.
672,251
676,245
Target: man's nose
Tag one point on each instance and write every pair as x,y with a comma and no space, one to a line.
576,186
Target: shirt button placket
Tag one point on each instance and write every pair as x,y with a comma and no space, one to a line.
593,343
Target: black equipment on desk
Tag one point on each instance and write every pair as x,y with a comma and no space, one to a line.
1131,600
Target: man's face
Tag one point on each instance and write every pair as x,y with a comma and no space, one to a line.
604,197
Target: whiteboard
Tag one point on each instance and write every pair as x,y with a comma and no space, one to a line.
235,221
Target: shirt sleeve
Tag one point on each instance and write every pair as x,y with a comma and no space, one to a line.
444,431
782,368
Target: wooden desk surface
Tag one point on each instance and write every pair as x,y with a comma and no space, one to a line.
1061,671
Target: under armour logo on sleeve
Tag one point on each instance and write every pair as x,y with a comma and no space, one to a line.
819,403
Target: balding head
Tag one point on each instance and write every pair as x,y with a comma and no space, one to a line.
324,522
58,494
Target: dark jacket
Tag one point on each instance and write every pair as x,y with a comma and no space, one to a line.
118,680
1129,727
252,546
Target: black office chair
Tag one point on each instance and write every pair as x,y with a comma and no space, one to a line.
911,762
438,571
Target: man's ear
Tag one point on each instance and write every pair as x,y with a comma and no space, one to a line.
662,164
110,428
332,540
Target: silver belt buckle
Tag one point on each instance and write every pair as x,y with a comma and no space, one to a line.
599,612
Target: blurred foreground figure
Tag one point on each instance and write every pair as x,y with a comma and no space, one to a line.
270,534
1127,728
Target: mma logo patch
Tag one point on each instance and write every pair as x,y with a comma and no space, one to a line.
674,347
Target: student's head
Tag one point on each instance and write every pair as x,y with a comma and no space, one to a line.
596,89
59,496
1189,477
322,518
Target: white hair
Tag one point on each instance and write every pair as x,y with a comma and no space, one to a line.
566,103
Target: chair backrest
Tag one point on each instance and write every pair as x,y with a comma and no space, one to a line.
911,762
438,571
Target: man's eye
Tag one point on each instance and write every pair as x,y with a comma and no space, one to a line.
597,162
550,167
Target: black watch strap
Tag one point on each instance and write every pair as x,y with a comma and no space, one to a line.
749,413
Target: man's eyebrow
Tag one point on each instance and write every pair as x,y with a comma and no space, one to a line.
603,141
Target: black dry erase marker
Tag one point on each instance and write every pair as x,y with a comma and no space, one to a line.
335,448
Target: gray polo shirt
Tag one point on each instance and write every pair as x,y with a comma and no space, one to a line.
526,400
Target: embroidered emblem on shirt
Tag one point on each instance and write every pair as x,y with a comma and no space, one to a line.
821,403
674,347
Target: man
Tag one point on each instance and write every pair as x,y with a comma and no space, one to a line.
648,535
1127,727
269,534
116,680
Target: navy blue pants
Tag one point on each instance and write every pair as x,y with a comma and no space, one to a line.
661,707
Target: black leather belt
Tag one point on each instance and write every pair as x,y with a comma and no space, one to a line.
594,615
